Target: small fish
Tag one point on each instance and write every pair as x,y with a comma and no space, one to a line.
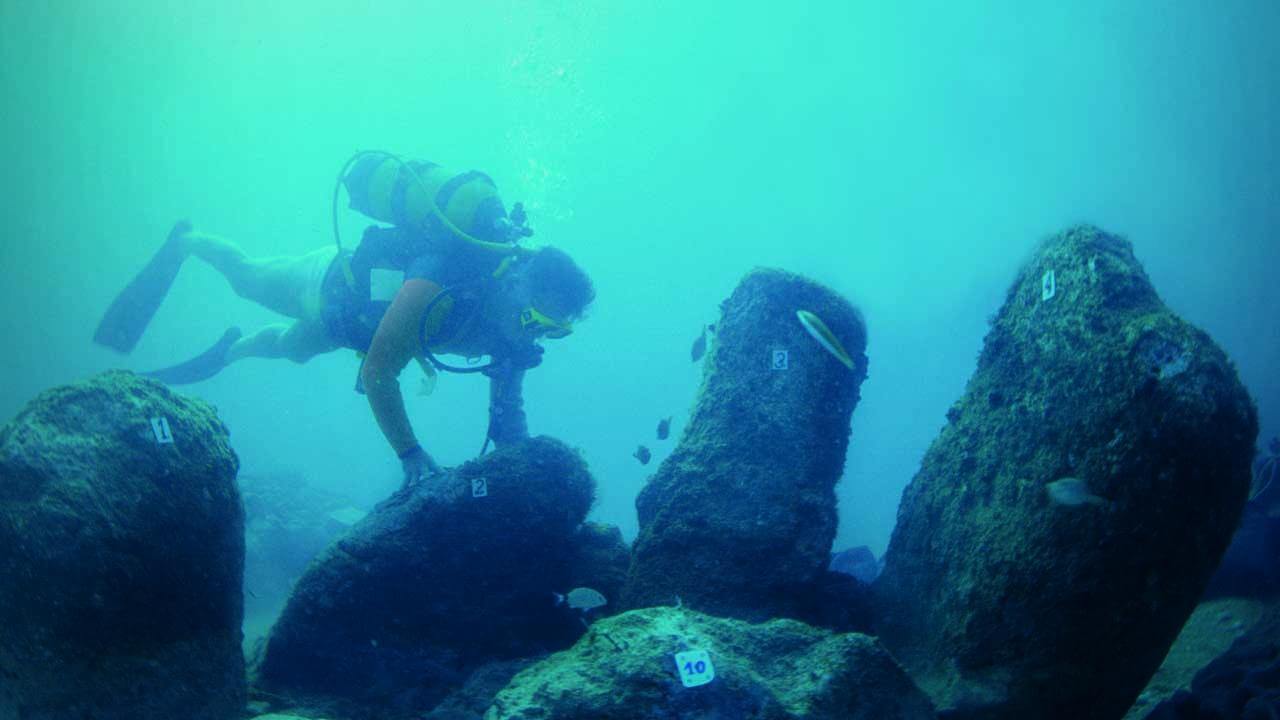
347,515
664,428
1071,492
583,598
642,454
819,331
699,347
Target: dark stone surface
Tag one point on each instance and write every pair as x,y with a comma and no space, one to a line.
1004,604
1251,566
472,700
1241,684
858,562
433,584
743,512
625,669
121,557
599,561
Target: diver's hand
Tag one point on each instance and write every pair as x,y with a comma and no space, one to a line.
417,464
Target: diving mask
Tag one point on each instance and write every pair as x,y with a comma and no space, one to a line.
539,325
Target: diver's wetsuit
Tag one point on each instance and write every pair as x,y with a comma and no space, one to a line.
352,315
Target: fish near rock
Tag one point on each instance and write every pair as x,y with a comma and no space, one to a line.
584,599
643,455
1072,492
664,428
700,345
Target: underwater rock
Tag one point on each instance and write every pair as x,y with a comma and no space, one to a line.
472,700
1241,684
1251,566
858,562
1004,602
628,668
599,561
288,522
121,549
434,583
742,514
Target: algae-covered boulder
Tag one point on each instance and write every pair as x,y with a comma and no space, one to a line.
121,553
631,667
1070,513
433,583
743,511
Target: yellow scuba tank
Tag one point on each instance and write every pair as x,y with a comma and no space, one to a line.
426,197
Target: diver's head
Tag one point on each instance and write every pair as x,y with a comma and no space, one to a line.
548,292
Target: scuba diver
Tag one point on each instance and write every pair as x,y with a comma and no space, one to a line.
447,277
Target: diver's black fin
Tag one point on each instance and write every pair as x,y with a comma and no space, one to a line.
130,313
201,367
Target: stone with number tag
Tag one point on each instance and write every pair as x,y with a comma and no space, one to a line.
695,668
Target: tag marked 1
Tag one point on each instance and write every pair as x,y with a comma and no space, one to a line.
160,428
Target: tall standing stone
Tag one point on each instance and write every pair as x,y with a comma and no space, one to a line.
1064,523
743,513
121,557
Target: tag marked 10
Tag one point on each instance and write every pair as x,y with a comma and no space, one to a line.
695,668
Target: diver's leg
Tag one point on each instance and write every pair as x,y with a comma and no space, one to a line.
298,342
281,284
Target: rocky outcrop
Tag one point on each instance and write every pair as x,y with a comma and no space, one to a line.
740,518
288,522
628,667
434,583
1242,684
121,550
1067,518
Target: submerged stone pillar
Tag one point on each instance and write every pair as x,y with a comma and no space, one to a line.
1069,515
742,514
121,557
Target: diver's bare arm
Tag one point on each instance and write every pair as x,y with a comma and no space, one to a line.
394,345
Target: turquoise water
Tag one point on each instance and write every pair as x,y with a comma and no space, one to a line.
907,155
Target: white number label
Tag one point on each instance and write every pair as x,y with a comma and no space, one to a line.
1048,286
695,667
479,487
780,360
160,427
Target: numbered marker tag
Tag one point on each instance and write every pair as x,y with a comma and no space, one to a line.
780,360
695,668
384,284
160,427
1048,286
479,487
